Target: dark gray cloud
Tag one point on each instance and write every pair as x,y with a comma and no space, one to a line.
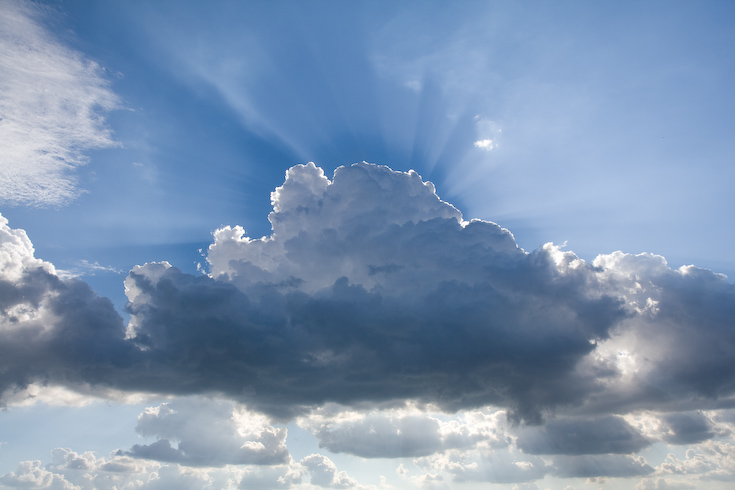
607,465
372,289
577,435
54,331
688,428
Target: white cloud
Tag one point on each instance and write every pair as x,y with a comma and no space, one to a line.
30,475
81,395
17,253
204,432
486,144
51,105
324,473
486,465
72,471
710,460
663,484
403,432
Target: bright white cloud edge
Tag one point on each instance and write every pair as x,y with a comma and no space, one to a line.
472,446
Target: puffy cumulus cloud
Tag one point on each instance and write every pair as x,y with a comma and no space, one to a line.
70,470
371,291
710,460
323,472
53,331
675,351
30,474
403,432
272,477
73,471
209,433
367,218
51,101
17,257
372,288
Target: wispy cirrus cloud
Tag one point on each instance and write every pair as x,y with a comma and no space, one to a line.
52,101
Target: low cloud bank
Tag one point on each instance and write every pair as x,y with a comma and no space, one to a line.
371,289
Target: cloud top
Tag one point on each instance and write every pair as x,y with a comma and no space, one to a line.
371,289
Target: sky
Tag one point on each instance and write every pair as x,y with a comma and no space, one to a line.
367,245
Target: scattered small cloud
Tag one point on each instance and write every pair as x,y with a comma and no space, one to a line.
485,144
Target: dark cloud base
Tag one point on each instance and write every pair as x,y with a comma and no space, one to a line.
372,289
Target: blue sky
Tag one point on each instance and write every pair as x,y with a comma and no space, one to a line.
377,337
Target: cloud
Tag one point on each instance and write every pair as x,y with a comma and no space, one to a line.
578,435
688,428
73,471
398,280
30,475
209,433
372,290
710,460
676,348
324,473
601,465
483,465
51,105
663,484
52,330
70,470
486,144
406,432
526,486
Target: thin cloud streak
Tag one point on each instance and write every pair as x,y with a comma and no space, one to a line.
52,102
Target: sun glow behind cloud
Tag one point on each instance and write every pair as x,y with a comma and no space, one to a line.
485,144
371,277
374,337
